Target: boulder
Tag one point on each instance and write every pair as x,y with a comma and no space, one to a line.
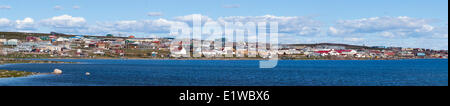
57,71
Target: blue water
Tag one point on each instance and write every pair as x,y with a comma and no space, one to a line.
235,73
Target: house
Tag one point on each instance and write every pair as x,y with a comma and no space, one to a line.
99,52
407,54
347,52
407,49
32,38
322,53
2,41
102,45
228,51
289,52
133,46
79,51
61,39
52,37
118,51
375,53
334,53
3,52
45,38
241,52
421,54
11,42
141,40
78,37
390,54
178,52
117,45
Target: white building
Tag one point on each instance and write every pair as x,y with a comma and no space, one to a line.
61,39
11,42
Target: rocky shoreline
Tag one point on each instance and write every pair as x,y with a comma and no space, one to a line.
18,61
12,74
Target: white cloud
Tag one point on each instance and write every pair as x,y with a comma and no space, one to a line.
155,14
441,32
388,31
5,22
25,24
65,21
385,26
5,7
142,26
189,18
291,25
296,25
335,31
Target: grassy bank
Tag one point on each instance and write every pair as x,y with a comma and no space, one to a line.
16,61
8,74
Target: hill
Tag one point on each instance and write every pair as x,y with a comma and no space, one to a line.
333,44
23,35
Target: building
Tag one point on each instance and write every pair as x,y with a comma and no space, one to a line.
61,39
347,52
11,42
2,41
421,54
32,39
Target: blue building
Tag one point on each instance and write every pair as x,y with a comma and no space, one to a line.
421,54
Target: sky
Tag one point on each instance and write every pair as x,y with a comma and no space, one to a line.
400,23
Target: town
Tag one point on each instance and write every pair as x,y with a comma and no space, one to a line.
58,45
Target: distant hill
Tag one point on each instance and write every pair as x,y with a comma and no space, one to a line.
332,44
23,35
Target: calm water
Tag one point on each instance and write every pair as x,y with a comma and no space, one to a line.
235,73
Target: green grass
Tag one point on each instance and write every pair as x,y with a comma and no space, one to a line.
9,74
22,35
15,61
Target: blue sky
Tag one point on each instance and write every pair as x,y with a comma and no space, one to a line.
327,10
394,22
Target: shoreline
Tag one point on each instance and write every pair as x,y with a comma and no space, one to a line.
21,61
16,74
7,73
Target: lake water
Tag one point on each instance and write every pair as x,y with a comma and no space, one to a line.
235,73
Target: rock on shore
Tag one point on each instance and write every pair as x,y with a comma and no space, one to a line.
57,71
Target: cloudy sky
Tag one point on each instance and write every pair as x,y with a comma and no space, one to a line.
404,23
